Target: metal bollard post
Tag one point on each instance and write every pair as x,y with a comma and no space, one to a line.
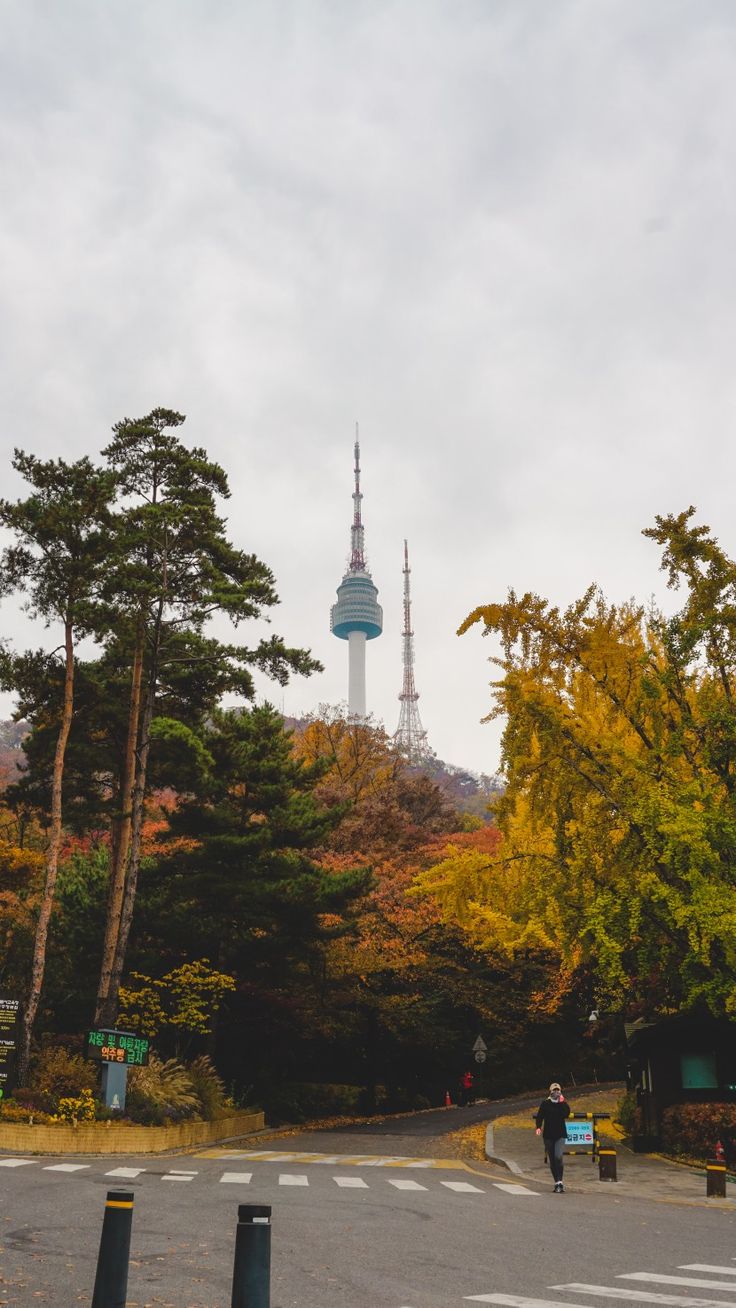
111,1281
607,1165
252,1268
715,1180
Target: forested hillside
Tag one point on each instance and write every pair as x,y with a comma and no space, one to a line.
211,878
333,927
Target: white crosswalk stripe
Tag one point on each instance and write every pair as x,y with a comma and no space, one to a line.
658,1278
511,1188
286,1179
462,1187
350,1182
515,1301
640,1296
126,1173
67,1167
707,1267
175,1175
237,1178
402,1184
17,1162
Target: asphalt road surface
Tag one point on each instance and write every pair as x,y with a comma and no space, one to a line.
371,1217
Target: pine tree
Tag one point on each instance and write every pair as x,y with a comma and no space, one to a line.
62,536
174,569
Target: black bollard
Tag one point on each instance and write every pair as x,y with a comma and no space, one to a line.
607,1165
252,1269
715,1180
111,1281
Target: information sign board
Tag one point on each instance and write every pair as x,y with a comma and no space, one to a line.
580,1134
122,1047
9,1014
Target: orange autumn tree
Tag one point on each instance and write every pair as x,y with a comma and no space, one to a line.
403,987
357,758
21,883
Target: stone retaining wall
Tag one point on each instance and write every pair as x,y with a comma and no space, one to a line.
115,1138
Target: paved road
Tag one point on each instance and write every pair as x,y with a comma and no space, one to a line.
358,1222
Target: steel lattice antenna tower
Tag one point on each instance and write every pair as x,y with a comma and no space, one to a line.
410,737
357,616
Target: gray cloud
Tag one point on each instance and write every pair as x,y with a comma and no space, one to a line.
499,234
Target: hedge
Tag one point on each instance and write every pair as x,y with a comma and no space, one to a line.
694,1129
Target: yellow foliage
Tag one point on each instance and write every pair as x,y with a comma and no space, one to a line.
619,813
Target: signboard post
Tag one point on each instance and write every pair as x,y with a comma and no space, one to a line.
582,1133
117,1051
9,1016
480,1050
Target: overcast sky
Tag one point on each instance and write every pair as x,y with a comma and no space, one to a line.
500,234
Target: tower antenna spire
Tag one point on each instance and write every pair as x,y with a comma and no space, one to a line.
410,737
357,539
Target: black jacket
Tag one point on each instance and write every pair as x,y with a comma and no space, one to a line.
551,1118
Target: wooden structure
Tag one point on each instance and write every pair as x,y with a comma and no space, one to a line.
689,1058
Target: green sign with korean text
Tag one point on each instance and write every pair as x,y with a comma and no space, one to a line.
122,1047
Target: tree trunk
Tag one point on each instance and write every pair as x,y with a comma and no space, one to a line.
52,861
134,856
121,844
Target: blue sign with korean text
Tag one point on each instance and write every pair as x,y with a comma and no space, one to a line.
579,1134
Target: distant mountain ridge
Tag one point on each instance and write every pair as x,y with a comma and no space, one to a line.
12,735
470,792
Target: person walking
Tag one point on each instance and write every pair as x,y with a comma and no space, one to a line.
551,1124
466,1088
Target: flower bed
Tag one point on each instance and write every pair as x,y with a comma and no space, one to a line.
123,1137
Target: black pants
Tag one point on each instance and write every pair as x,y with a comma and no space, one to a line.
554,1150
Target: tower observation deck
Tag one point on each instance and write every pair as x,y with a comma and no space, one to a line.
357,616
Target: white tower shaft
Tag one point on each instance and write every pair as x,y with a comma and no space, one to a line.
356,674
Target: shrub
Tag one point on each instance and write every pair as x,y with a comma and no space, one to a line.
76,1108
56,1074
693,1129
627,1113
208,1086
33,1100
298,1101
161,1092
12,1111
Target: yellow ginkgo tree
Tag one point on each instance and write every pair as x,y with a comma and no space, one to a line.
618,818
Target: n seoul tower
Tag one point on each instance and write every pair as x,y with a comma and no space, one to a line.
357,616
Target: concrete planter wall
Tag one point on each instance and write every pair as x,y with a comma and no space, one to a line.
115,1138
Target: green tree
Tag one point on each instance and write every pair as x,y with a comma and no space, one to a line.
242,886
61,539
174,570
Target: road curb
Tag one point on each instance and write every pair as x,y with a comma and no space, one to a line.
493,1157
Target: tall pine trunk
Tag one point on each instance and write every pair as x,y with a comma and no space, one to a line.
134,856
104,1011
38,966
